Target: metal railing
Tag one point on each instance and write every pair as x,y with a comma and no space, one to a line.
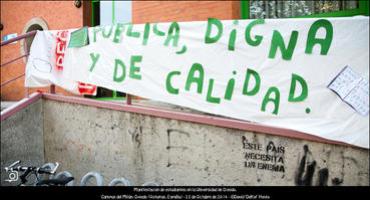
25,55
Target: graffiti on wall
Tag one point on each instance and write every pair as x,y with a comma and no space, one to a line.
306,171
269,157
170,144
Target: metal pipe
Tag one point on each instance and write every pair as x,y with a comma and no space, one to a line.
29,34
52,89
128,99
10,61
26,53
27,92
13,79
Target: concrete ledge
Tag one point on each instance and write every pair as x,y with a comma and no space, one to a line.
196,118
18,106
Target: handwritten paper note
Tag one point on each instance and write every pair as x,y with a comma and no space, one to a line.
352,89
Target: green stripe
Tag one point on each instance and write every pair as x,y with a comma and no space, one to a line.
364,7
110,98
113,12
114,95
244,9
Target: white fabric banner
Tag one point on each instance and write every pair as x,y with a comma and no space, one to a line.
45,63
289,73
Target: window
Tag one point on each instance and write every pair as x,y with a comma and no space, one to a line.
107,13
115,12
110,12
32,25
285,9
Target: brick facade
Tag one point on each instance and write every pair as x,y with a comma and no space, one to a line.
165,11
14,17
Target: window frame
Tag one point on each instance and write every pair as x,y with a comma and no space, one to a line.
95,14
363,9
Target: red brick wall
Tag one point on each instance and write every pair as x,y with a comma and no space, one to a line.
14,16
165,11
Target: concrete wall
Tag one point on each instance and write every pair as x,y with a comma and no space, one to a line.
143,148
22,139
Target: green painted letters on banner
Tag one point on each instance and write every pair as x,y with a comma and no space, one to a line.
94,59
173,34
210,98
325,42
119,64
278,41
304,92
230,88
96,29
169,87
117,33
146,33
193,79
135,70
107,33
131,33
258,38
213,22
251,73
275,100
